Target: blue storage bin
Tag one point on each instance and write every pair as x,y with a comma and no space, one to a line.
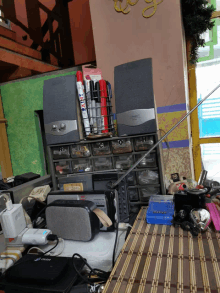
160,210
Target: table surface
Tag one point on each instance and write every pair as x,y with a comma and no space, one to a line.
160,258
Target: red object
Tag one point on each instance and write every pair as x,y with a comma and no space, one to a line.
182,186
199,187
104,112
79,76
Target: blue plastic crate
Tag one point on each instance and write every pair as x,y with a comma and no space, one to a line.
160,210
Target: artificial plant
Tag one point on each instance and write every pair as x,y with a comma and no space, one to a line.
197,20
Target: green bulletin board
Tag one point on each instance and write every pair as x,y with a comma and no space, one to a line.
20,100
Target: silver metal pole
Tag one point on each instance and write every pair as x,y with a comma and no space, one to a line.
159,141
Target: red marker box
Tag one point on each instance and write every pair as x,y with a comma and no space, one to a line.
104,111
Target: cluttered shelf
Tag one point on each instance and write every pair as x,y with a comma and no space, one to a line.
101,156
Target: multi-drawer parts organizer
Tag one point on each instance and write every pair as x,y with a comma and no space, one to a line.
110,157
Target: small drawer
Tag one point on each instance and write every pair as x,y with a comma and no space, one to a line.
61,153
101,148
131,178
143,143
63,167
148,177
148,191
123,162
82,165
133,194
147,162
80,151
102,164
121,146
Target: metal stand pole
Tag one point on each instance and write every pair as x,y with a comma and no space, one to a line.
159,141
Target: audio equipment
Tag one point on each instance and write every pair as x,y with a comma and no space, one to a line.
104,200
134,98
73,219
101,182
60,111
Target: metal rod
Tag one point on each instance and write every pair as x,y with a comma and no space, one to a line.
159,141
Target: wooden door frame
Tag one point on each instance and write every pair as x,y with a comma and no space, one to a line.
5,158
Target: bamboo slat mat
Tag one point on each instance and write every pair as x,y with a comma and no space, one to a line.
159,258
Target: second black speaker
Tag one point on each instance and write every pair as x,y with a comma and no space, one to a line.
134,98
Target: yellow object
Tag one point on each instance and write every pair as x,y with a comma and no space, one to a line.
154,5
73,187
119,9
168,120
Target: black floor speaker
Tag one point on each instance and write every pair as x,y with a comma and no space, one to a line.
60,111
134,98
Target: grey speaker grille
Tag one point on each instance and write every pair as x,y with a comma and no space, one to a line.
69,223
59,105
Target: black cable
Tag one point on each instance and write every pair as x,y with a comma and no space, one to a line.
52,247
116,239
101,274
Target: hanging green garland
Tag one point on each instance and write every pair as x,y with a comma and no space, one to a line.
197,20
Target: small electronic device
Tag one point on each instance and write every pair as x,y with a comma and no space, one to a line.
161,210
73,219
101,182
13,221
104,200
47,274
194,197
36,236
14,226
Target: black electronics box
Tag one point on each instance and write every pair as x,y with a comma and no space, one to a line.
39,275
20,179
194,198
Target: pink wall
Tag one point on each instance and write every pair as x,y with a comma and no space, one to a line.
81,27
122,38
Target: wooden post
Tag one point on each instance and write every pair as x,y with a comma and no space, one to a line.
5,158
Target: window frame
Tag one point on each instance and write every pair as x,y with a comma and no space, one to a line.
194,119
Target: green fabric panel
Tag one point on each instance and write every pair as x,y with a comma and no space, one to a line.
20,100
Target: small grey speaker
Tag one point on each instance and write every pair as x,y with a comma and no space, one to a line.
72,219
134,98
60,110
